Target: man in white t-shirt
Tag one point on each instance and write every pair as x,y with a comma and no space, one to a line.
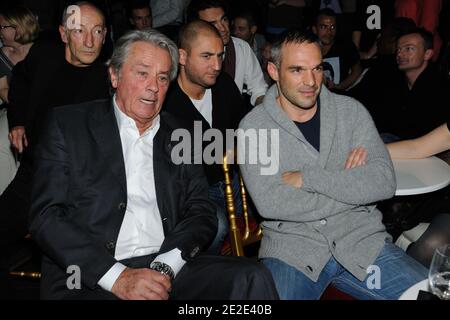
240,62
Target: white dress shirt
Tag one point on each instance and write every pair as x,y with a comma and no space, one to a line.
141,232
248,70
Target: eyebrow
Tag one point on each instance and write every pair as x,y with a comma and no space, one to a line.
407,45
97,25
212,53
214,21
140,64
293,67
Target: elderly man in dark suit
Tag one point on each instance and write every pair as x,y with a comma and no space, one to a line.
109,201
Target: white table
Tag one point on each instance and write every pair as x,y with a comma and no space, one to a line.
412,292
419,176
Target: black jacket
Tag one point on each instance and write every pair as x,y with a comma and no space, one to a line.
227,111
79,195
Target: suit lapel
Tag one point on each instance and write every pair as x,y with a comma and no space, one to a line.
106,133
162,148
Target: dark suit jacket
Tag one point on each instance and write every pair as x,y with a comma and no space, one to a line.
79,195
227,111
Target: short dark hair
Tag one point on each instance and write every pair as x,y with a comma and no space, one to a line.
195,6
291,36
326,12
248,16
138,4
401,26
189,32
426,36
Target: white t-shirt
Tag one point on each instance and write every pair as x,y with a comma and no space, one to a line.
204,106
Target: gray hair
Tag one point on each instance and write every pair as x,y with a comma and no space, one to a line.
291,36
150,36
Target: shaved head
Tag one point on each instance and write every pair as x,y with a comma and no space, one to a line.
191,31
82,5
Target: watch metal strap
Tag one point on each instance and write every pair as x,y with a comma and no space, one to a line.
163,268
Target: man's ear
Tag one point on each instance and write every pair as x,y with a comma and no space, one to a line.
314,30
253,29
114,77
273,71
183,56
132,21
62,32
428,54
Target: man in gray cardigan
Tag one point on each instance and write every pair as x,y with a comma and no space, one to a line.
321,225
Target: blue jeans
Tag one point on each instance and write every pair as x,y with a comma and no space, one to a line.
217,195
398,272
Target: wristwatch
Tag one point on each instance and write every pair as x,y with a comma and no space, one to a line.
162,268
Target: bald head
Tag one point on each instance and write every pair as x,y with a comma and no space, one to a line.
191,31
79,8
83,31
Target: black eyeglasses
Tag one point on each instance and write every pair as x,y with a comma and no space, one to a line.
4,27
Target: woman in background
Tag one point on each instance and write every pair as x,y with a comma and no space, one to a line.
18,29
438,232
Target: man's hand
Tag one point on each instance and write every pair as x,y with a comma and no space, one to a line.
142,284
356,158
18,138
292,178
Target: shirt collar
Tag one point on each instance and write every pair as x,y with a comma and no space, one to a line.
124,121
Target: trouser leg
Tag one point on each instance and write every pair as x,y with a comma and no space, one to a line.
223,278
392,273
14,208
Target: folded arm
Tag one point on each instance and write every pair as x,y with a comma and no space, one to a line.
361,185
363,180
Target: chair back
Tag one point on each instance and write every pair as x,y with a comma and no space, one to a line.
238,238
